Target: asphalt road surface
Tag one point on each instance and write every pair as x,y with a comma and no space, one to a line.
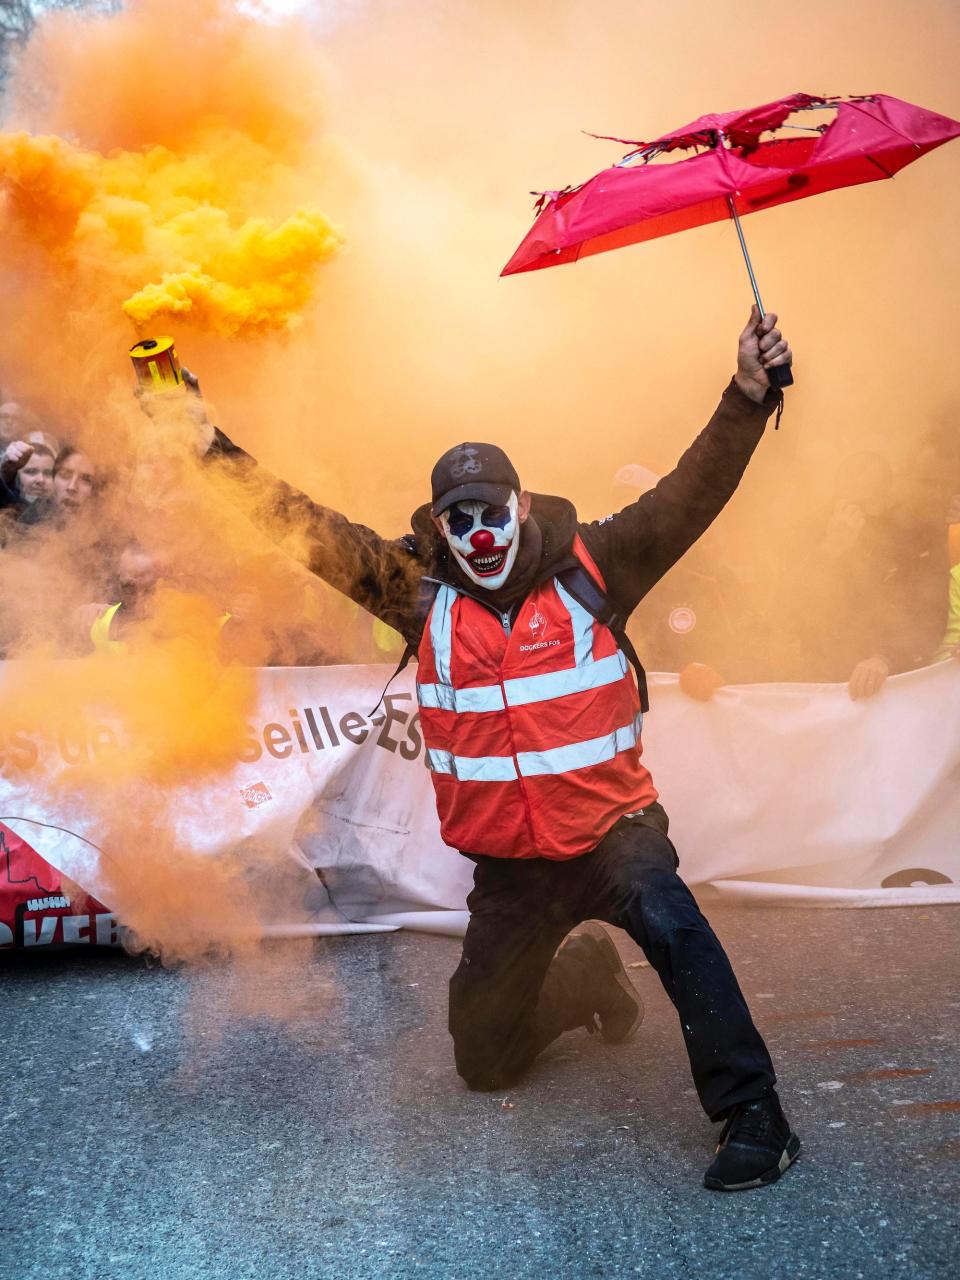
150,1129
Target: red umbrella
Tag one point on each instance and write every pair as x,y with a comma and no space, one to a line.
732,173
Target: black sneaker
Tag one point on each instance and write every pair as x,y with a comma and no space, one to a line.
611,996
756,1146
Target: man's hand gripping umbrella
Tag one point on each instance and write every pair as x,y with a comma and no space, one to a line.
763,355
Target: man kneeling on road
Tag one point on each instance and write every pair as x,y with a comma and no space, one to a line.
531,717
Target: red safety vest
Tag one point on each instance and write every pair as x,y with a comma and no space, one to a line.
532,729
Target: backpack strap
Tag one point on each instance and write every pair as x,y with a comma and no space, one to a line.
585,583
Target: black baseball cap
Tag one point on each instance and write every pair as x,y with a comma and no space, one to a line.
473,471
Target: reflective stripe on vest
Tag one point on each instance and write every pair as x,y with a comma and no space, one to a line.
440,632
586,674
522,690
531,764
582,626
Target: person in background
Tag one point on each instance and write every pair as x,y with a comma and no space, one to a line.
50,442
15,456
11,423
137,574
248,637
36,477
17,423
26,469
110,625
248,634
697,620
273,615
26,476
75,483
871,604
388,644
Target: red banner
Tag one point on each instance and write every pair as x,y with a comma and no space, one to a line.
38,908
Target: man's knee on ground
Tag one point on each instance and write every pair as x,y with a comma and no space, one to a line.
472,1021
479,1069
481,1082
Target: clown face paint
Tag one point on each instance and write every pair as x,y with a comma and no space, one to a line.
484,539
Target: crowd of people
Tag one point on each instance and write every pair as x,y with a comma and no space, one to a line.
42,478
55,496
849,589
853,589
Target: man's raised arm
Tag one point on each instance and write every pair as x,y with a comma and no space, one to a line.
635,548
381,575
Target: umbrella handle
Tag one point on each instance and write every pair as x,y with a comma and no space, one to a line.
781,375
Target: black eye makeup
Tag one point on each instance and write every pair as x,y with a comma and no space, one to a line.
496,517
459,522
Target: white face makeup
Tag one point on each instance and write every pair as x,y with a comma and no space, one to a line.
484,539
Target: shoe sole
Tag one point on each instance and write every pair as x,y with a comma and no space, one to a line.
790,1153
612,957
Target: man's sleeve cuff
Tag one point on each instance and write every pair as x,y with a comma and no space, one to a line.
745,406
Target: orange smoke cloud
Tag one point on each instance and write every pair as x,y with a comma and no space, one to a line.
194,729
163,177
166,230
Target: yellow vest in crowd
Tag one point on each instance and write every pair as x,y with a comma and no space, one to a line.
100,631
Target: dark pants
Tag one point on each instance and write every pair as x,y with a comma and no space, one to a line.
513,993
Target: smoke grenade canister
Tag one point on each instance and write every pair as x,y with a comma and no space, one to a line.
156,365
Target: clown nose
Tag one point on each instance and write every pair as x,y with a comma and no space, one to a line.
482,540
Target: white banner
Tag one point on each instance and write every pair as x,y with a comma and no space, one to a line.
776,793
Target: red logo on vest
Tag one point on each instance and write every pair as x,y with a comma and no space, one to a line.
537,625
